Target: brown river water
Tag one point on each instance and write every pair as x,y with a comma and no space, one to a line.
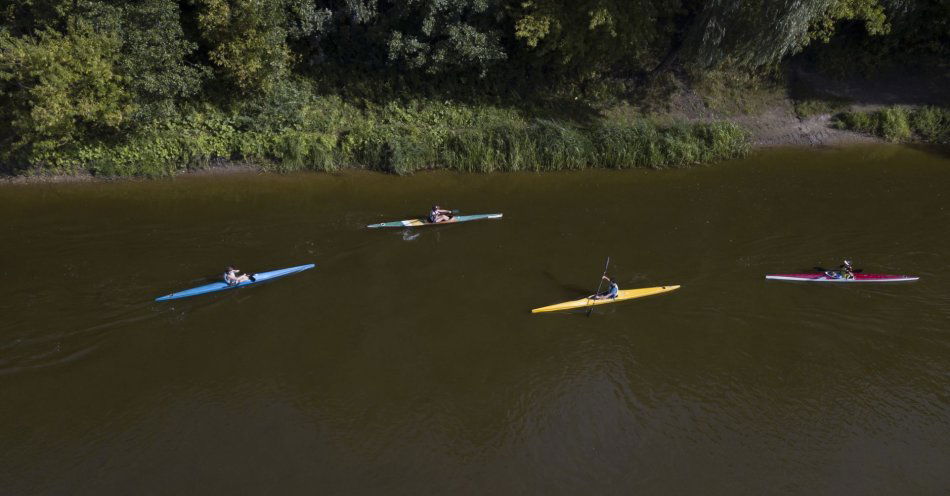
408,361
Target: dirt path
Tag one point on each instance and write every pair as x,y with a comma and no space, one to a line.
773,123
778,127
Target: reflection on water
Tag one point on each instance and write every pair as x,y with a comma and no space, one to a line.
416,367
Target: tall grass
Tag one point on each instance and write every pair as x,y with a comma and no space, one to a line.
932,124
405,139
895,124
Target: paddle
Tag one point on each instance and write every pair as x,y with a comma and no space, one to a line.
590,308
822,269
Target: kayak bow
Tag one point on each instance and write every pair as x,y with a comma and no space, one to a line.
221,286
624,294
425,222
824,277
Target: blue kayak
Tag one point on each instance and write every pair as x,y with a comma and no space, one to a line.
221,286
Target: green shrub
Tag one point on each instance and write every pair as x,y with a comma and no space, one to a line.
894,124
931,124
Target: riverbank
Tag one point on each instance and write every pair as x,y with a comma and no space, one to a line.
701,123
674,139
401,139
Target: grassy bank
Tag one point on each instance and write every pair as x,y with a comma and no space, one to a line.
329,135
896,124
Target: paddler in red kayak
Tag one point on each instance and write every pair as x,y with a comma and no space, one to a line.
845,271
439,215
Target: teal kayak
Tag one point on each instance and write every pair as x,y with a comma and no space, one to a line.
221,285
424,222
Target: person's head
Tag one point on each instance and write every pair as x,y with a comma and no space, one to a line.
435,207
612,280
230,269
847,263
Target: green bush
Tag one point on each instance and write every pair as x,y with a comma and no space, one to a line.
929,124
894,124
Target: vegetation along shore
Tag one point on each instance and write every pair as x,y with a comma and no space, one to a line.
154,88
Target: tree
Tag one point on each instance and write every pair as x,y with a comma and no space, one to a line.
756,33
154,58
248,39
582,38
57,89
443,35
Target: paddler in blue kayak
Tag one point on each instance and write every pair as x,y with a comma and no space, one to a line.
612,291
439,215
232,277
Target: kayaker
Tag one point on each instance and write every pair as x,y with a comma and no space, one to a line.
232,277
612,291
439,215
847,270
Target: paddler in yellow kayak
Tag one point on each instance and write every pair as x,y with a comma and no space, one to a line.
612,291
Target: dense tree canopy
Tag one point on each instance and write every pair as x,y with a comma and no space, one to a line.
73,69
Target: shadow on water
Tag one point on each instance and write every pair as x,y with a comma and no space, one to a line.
941,151
568,288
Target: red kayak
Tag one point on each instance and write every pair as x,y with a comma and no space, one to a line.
835,276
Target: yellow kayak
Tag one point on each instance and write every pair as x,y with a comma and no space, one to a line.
623,294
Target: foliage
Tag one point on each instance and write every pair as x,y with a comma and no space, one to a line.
737,92
249,38
155,53
121,86
59,89
402,139
871,12
917,33
818,106
932,124
929,124
586,38
444,34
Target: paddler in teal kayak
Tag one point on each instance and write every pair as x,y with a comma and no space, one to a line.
612,291
231,277
439,215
